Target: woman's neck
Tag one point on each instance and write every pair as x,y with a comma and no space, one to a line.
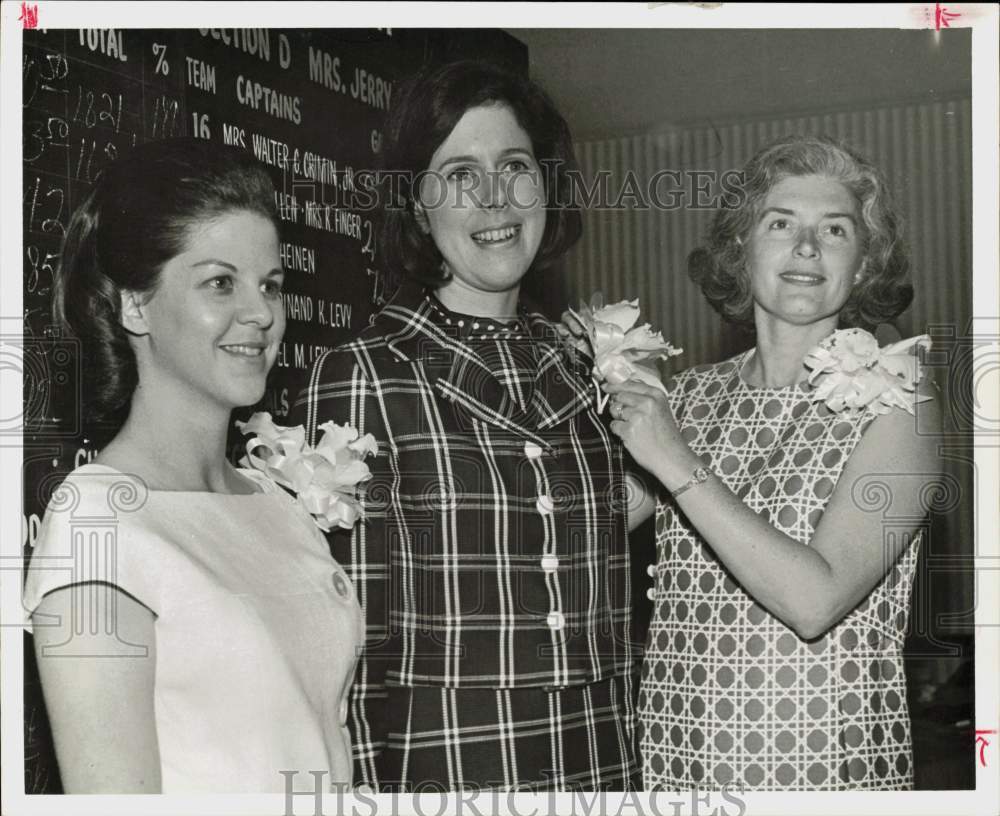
174,447
781,350
459,297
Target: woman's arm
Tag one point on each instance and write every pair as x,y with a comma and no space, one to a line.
641,498
810,588
98,694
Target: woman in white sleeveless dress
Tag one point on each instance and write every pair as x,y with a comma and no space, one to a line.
193,632
783,576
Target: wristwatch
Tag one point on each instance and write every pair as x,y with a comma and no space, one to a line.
698,476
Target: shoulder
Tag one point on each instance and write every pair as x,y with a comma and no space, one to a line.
918,429
368,353
96,491
94,503
336,369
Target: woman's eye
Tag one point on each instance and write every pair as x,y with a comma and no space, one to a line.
778,224
221,283
516,166
837,230
460,173
272,287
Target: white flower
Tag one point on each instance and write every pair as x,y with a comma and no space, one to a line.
616,344
323,478
851,372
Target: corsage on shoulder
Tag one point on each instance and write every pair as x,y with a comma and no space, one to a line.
323,478
617,344
851,372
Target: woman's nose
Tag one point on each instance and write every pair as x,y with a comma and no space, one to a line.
806,244
495,190
255,307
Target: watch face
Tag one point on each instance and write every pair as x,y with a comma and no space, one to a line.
699,475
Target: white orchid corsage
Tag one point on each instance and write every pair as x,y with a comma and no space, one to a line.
617,344
851,372
324,479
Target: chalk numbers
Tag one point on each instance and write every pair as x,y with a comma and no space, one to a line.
41,134
378,286
368,249
199,125
44,76
165,122
44,205
40,270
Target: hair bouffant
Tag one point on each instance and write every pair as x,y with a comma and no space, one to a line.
425,111
720,267
135,219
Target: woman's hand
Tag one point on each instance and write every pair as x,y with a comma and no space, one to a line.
573,331
642,418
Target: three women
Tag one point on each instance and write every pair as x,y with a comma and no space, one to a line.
493,563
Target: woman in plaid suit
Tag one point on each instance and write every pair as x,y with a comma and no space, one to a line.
492,565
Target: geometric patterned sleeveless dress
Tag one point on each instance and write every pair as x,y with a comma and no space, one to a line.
729,694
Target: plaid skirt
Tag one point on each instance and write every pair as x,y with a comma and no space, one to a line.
526,739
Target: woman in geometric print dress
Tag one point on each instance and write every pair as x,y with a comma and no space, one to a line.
774,656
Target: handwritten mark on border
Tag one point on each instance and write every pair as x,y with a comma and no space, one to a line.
29,16
982,742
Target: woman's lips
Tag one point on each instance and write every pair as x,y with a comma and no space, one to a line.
496,235
803,278
246,350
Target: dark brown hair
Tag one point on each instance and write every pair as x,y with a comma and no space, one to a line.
135,219
425,111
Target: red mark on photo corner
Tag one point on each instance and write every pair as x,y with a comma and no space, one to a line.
29,16
982,742
942,17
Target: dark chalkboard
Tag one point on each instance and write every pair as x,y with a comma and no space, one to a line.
308,104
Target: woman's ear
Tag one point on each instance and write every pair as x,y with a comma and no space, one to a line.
133,313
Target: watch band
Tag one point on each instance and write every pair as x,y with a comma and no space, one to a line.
698,476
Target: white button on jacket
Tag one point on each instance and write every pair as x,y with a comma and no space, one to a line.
532,450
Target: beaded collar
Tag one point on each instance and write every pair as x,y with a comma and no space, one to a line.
469,327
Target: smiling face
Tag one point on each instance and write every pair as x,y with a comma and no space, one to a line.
805,251
483,202
211,329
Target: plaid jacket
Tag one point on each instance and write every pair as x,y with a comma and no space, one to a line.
494,547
